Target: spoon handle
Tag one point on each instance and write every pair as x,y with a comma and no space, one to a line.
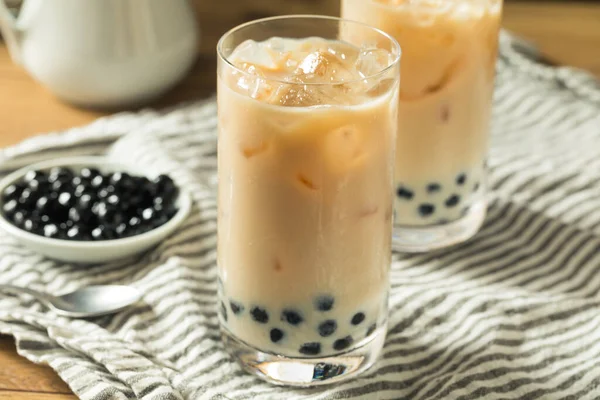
46,299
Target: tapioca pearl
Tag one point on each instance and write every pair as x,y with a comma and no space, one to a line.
224,311
259,315
324,303
276,335
236,307
292,317
461,179
434,188
405,193
357,318
327,328
324,371
310,349
371,329
452,201
426,210
343,343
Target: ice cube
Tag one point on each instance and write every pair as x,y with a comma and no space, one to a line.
325,67
344,148
253,53
252,81
307,95
372,61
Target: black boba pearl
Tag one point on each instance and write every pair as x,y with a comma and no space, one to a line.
27,199
260,315
106,192
113,200
89,173
165,185
236,307
75,233
59,174
10,207
134,222
371,329
276,335
452,201
50,231
81,189
85,202
82,215
65,199
30,225
98,233
327,328
158,201
405,193
18,218
310,349
324,303
434,187
224,311
461,179
60,186
35,175
97,181
117,178
343,343
100,209
147,214
292,317
65,226
12,191
121,230
426,209
358,318
43,204
38,186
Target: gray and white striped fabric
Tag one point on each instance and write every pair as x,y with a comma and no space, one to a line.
512,314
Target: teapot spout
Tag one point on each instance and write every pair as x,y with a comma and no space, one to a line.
11,33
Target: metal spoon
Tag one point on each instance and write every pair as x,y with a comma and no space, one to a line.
91,301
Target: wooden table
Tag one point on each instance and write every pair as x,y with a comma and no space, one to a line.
566,32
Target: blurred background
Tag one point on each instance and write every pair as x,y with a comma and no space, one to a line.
564,32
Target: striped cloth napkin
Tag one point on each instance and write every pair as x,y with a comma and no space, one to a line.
512,314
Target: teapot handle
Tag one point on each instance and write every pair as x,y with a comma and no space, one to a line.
10,32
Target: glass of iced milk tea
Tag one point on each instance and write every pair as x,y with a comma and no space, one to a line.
307,126
448,57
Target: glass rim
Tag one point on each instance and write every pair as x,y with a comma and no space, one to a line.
383,71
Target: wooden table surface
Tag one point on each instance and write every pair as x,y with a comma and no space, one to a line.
566,32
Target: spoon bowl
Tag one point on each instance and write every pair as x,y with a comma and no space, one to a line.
92,301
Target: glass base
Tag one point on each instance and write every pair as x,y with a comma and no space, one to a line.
306,371
416,239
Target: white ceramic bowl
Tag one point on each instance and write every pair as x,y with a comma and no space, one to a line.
93,252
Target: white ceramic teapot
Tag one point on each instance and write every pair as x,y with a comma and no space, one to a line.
103,53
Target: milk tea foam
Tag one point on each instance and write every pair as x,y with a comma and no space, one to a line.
306,138
448,55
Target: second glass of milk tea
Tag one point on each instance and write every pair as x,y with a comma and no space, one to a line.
448,62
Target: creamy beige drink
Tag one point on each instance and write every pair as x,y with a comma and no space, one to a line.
305,193
448,57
